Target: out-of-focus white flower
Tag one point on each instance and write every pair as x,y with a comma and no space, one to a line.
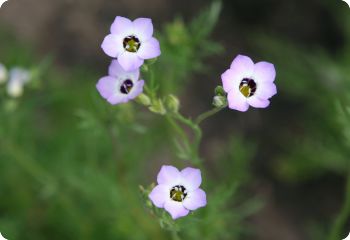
2,238
18,77
348,237
3,73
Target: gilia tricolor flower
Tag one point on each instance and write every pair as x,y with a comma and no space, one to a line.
120,86
178,192
248,84
131,42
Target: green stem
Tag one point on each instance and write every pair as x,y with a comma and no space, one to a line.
197,136
175,235
339,223
207,114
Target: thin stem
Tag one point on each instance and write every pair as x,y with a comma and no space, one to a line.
207,114
339,224
175,235
197,136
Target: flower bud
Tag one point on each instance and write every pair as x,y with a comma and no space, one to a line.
172,103
220,101
219,91
158,107
143,99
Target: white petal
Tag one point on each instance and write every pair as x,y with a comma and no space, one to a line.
191,178
195,199
176,209
168,175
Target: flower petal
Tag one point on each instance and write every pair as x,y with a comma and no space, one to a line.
243,66
191,178
122,26
106,86
256,102
265,90
168,175
159,195
117,98
143,28
149,49
129,61
195,199
264,72
176,209
237,101
137,89
116,70
112,45
230,80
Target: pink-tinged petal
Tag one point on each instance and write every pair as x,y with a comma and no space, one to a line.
122,26
106,86
116,70
117,98
159,195
230,80
264,72
176,209
195,199
143,28
149,49
112,45
256,102
130,61
237,101
168,175
137,89
191,178
266,90
243,66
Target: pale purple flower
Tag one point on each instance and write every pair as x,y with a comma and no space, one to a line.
120,86
248,84
131,42
178,192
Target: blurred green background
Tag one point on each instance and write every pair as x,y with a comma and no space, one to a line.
71,164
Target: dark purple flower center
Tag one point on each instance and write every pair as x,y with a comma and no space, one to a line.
178,193
247,87
126,86
131,43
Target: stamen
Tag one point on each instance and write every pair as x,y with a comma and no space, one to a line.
126,86
178,193
131,43
247,87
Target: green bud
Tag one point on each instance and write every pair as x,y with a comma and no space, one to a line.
144,68
172,103
220,101
158,107
219,91
151,61
143,99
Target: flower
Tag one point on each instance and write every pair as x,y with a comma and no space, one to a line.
131,42
247,83
178,192
18,77
2,237
3,73
120,86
